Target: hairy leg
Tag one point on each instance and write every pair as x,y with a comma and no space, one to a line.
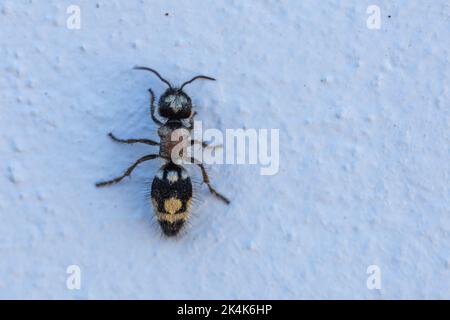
152,108
128,171
210,187
128,141
191,119
206,145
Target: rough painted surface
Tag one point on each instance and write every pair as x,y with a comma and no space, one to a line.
364,129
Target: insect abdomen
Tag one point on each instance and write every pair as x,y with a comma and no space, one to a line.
171,197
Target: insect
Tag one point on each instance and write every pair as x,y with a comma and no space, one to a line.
171,189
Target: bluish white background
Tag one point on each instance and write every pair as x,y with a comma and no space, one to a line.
364,149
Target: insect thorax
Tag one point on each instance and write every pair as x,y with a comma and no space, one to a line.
173,134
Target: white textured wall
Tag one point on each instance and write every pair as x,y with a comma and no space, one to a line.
364,164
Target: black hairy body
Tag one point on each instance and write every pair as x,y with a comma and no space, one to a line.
171,195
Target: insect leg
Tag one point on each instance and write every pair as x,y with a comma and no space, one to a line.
193,114
208,183
152,108
191,119
146,141
206,145
129,170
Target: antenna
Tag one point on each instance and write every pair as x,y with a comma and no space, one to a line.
156,73
195,78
